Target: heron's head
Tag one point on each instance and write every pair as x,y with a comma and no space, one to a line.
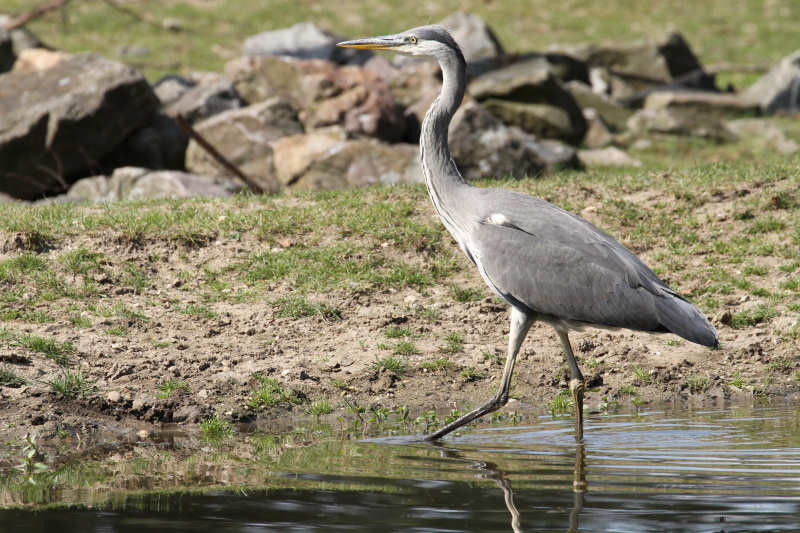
423,41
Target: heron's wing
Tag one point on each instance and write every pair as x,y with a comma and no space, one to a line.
556,263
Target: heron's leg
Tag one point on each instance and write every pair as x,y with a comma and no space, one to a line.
520,324
576,384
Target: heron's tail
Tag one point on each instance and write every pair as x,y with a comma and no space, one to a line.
685,320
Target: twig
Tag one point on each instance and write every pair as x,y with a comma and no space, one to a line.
35,13
213,152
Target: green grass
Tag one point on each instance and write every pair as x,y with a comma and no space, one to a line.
750,317
320,407
714,28
71,385
269,393
397,332
52,349
454,343
299,307
215,430
470,373
168,387
439,364
465,294
401,348
395,364
641,374
561,403
198,311
8,378
738,381
698,383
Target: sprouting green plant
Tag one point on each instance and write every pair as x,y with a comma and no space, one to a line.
198,310
698,383
454,343
299,307
9,378
31,460
396,332
432,365
168,387
470,373
320,407
608,405
395,364
561,402
627,390
465,294
81,321
340,384
752,316
268,393
136,278
738,381
423,312
592,363
215,430
117,331
71,385
401,348
57,351
641,374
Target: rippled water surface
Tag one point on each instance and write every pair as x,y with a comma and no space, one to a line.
710,471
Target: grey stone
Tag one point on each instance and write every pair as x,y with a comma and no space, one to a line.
530,82
612,113
484,147
764,134
197,101
304,40
598,133
475,37
643,63
779,89
132,183
679,122
323,93
13,42
609,156
59,122
541,120
244,137
361,162
293,155
716,104
159,145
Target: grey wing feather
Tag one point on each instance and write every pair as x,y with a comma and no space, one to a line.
557,264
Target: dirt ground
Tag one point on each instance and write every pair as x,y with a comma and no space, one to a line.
334,359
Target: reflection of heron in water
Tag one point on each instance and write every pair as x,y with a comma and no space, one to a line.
489,470
548,264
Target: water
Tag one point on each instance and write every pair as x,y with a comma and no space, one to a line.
700,471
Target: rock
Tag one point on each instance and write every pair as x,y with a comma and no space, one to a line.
483,147
598,133
643,63
414,87
188,413
362,162
295,154
477,40
779,89
159,145
58,122
764,134
37,59
304,40
323,94
197,101
7,56
530,83
113,396
541,120
132,183
609,156
613,114
716,104
609,84
244,137
14,42
679,122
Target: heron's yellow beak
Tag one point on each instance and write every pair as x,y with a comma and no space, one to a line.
386,42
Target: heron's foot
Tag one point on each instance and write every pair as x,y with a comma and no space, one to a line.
492,405
578,387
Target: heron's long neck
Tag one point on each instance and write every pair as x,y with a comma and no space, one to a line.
441,175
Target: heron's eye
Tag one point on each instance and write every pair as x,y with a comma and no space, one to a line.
412,40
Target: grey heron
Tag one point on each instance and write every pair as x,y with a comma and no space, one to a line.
548,264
